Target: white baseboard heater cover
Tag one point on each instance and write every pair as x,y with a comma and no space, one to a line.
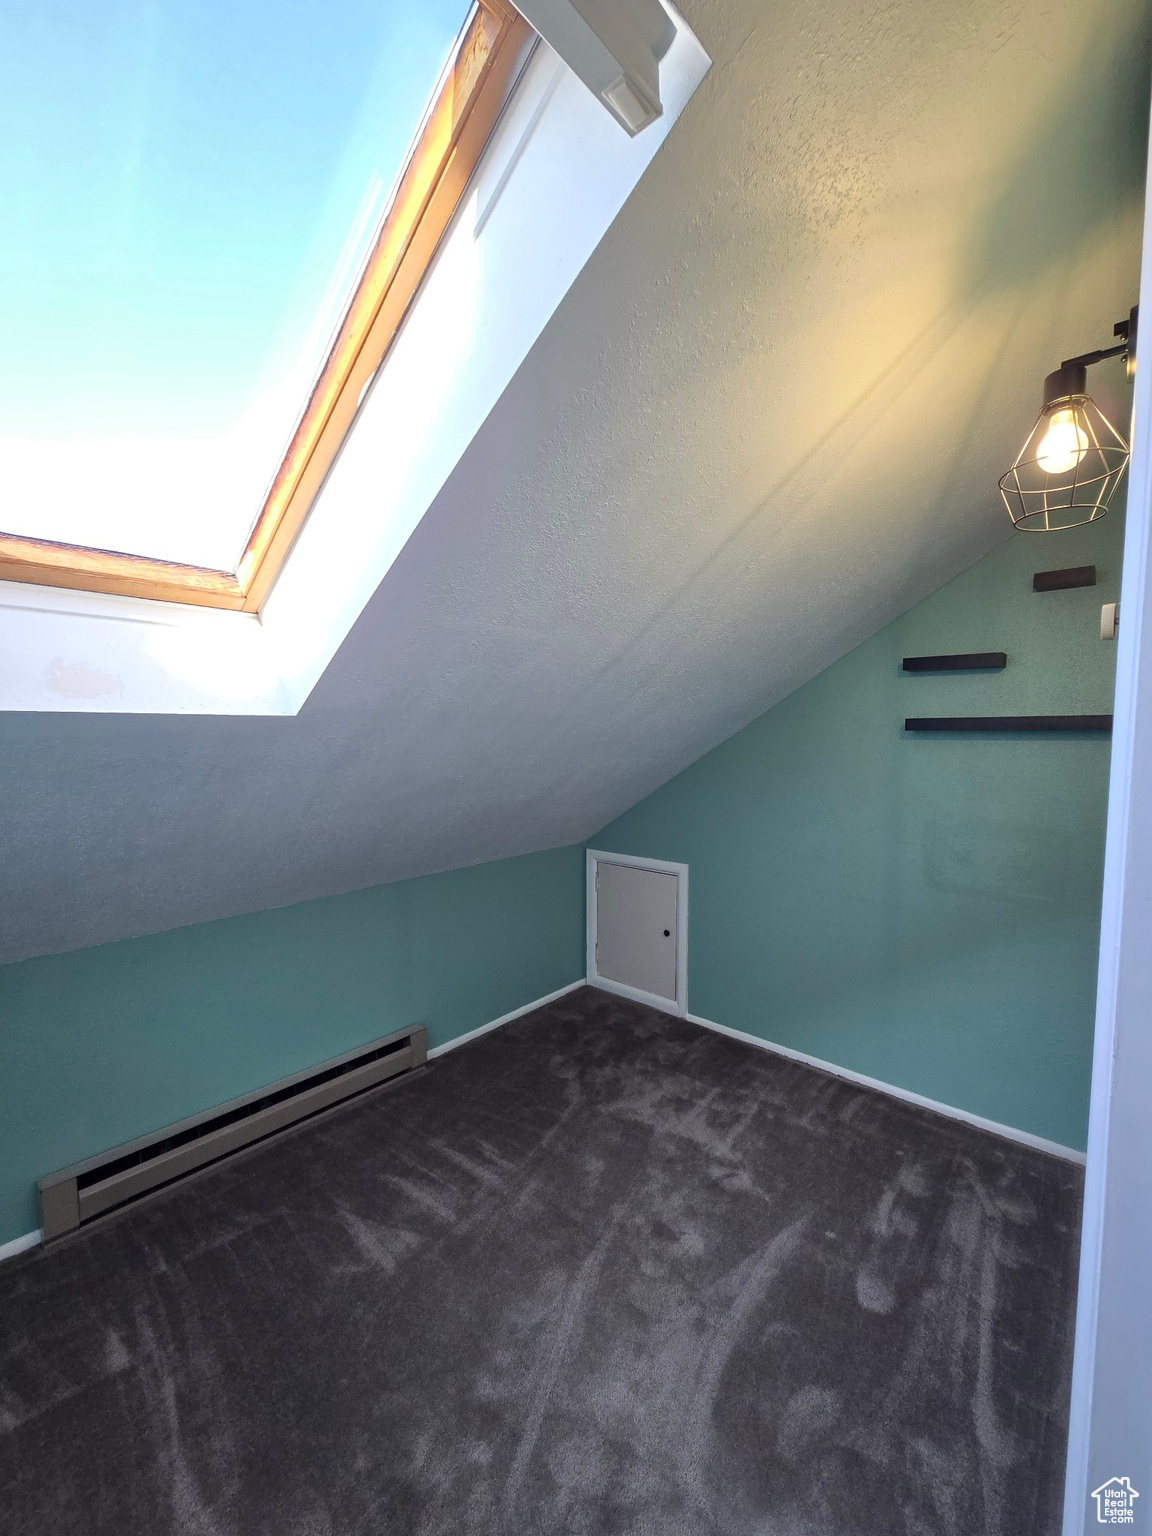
77,1195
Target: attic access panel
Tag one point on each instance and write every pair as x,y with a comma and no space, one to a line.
201,198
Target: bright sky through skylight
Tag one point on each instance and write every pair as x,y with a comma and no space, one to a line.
187,190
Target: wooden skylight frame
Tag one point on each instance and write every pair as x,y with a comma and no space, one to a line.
476,84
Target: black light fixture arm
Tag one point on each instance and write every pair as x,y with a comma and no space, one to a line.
1086,359
1071,378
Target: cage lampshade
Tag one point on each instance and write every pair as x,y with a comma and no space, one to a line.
1069,468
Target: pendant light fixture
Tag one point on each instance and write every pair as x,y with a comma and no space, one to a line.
1068,469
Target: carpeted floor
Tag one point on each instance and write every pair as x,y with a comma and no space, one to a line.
601,1271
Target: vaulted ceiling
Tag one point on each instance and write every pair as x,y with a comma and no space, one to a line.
768,417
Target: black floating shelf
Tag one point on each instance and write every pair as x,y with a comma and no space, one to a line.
978,661
1060,581
1010,723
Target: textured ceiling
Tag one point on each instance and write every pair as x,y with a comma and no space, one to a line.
768,417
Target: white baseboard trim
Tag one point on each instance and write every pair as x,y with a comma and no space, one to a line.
635,995
1040,1143
19,1245
505,1018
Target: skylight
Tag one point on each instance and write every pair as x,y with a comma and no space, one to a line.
190,193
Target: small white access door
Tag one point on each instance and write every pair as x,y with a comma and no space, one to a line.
638,928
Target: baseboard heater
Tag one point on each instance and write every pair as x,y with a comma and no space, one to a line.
78,1195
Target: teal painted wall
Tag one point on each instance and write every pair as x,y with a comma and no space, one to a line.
923,909
102,1045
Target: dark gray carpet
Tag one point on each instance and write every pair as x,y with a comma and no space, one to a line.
599,1272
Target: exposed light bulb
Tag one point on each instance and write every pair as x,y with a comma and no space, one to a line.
1064,444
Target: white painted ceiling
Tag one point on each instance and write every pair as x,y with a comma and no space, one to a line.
768,417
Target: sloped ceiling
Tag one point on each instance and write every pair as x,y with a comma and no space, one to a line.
768,417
